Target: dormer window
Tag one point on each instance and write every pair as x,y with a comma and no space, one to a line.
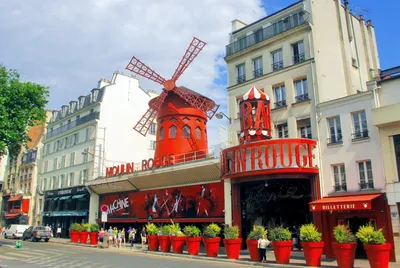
81,102
95,93
54,118
72,106
64,110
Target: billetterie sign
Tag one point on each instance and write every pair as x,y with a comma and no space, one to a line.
145,164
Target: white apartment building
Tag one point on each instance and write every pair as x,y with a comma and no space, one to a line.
83,138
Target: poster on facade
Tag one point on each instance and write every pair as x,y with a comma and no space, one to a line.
196,201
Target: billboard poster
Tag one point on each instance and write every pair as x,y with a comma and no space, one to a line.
195,201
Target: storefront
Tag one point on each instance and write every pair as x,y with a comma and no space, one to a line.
17,210
64,207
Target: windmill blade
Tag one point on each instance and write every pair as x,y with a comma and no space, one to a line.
138,67
193,50
200,102
143,125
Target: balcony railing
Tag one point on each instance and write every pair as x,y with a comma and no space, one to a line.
241,79
303,97
277,66
281,26
258,72
298,58
367,185
281,103
339,188
360,135
73,124
335,140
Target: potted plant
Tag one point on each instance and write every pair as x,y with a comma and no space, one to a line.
152,236
344,247
163,238
193,239
211,239
94,232
74,230
84,233
282,243
312,244
177,238
252,242
232,242
378,251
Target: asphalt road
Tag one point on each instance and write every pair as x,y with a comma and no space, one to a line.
41,254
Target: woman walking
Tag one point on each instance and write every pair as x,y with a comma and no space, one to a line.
263,243
143,236
115,234
123,237
119,238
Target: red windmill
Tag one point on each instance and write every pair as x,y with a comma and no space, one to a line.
181,113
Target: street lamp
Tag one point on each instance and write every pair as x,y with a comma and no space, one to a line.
221,115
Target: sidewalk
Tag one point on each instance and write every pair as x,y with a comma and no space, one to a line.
297,258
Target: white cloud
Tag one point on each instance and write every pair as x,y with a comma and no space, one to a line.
70,45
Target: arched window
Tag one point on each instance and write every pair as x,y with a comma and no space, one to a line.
172,131
161,133
198,133
186,132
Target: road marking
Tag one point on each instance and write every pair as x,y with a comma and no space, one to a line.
8,258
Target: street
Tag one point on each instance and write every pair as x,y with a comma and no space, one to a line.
41,254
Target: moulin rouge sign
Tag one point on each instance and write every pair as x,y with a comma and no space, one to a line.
146,164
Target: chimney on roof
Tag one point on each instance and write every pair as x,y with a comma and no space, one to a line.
103,82
369,23
361,17
237,24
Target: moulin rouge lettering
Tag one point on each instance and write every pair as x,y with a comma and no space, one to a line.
118,204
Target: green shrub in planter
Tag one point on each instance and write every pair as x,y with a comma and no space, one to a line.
309,233
231,232
368,235
152,229
343,235
94,227
85,227
75,227
165,230
257,232
211,231
175,230
280,234
191,231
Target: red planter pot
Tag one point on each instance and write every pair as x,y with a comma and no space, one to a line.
177,243
83,237
153,242
232,247
165,243
313,252
93,238
378,255
282,251
193,245
345,254
253,250
212,246
74,236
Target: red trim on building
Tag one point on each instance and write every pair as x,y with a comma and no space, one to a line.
182,220
344,203
12,216
15,198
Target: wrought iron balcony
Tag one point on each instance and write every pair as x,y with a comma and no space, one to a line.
298,58
258,72
277,66
360,135
367,185
303,97
281,103
73,124
339,188
241,79
335,140
275,29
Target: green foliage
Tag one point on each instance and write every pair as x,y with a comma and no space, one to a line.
211,231
21,106
309,233
280,234
342,234
94,227
257,232
368,235
152,229
76,227
165,230
191,231
231,232
175,229
85,227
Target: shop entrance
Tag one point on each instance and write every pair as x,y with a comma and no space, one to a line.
354,225
275,202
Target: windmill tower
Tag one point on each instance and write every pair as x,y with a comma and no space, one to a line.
181,113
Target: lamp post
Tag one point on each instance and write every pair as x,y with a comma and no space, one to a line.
221,115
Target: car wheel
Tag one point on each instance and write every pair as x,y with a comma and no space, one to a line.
33,239
5,236
46,240
14,237
23,238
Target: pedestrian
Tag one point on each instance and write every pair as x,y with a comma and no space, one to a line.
101,237
119,238
59,231
263,243
143,236
51,232
110,236
123,236
47,228
115,234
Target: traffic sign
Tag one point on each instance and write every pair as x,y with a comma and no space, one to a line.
104,217
104,208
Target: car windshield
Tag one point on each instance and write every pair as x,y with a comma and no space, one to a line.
40,228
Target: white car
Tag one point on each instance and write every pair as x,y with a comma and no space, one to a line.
15,231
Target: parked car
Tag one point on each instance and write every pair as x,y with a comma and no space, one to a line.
15,231
36,233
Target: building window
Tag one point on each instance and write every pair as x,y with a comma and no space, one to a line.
366,178
339,175
282,130
186,132
198,133
172,132
72,159
298,52
85,175
44,186
305,132
153,128
55,164
257,67
280,96
62,181
71,179
396,142
87,136
360,128
47,151
161,133
277,60
76,138
63,161
46,165
335,131
152,145
85,155
241,73
53,183
301,90
66,141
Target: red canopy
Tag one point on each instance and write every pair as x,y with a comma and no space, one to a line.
15,198
342,203
12,215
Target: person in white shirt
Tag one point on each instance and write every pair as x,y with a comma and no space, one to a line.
263,243
59,231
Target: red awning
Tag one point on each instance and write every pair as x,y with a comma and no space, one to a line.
343,203
15,198
12,215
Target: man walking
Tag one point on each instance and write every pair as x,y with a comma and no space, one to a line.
59,231
110,236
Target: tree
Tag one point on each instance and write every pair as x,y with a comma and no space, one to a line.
21,107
